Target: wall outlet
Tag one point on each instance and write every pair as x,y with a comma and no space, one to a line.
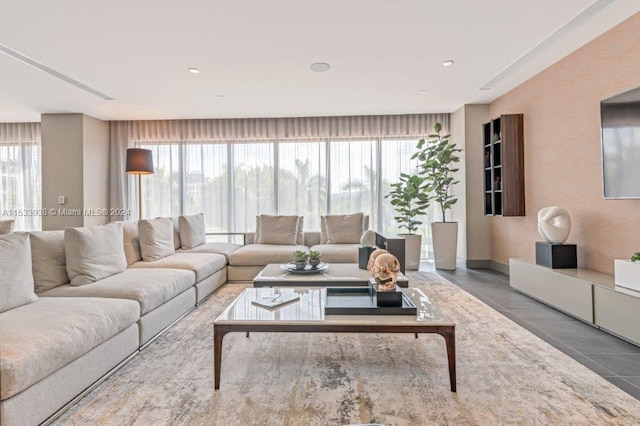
62,199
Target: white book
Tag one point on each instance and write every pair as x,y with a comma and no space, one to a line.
275,300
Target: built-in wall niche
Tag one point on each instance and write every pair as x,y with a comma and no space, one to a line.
503,139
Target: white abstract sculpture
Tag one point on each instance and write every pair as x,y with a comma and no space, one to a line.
554,224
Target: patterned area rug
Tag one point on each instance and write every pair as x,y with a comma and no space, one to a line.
506,375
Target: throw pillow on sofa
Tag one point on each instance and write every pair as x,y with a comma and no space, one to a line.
49,263
192,232
280,230
94,252
156,238
300,233
16,279
343,229
131,241
6,226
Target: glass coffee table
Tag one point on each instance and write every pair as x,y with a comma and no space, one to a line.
337,274
306,315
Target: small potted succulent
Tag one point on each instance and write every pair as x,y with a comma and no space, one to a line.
300,258
635,257
314,258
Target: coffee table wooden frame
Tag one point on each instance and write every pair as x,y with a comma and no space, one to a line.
446,331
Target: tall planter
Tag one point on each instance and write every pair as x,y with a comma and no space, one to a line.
412,249
445,244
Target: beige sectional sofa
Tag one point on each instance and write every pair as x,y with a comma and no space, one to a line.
77,304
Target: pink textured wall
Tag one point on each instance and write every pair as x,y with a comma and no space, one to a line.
561,108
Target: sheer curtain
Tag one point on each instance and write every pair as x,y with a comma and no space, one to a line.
21,175
233,170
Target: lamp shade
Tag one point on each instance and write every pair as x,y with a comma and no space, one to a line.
139,161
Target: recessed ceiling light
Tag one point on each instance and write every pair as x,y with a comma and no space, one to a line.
319,67
447,63
221,96
193,70
422,92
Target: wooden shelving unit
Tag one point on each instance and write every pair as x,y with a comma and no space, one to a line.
503,140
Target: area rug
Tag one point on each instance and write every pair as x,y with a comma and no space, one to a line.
506,375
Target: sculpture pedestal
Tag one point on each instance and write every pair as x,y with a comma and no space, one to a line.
363,256
556,256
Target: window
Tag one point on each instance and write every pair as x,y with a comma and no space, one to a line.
302,181
21,184
232,182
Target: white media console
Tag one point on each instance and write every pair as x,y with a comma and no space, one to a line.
587,295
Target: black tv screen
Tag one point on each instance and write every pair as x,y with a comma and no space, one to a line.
621,145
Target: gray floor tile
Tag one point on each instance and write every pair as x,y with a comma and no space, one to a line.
634,380
590,364
620,364
601,343
567,327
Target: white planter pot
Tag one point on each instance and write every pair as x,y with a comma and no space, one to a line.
627,274
412,249
445,244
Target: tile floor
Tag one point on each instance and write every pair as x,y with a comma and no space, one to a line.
610,357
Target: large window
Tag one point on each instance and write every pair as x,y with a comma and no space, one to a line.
21,185
232,182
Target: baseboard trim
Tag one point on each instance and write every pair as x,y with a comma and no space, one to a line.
478,264
499,267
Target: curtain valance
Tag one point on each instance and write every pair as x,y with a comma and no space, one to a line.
19,132
375,126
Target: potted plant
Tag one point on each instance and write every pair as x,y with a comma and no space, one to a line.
411,198
300,258
437,158
314,258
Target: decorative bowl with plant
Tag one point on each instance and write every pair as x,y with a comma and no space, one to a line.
314,258
635,257
300,258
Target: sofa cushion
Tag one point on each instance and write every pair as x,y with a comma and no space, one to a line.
323,228
263,254
48,260
224,249
149,287
6,226
156,238
94,252
40,338
338,253
344,229
299,234
278,230
202,264
16,278
131,241
192,233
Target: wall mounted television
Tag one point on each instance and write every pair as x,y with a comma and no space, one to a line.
621,145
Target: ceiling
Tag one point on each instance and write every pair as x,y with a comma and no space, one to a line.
254,55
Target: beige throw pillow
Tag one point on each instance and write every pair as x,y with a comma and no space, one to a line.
131,242
16,279
192,232
6,226
300,233
344,229
49,263
94,252
156,238
281,230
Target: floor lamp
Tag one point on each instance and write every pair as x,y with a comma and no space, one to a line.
139,162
